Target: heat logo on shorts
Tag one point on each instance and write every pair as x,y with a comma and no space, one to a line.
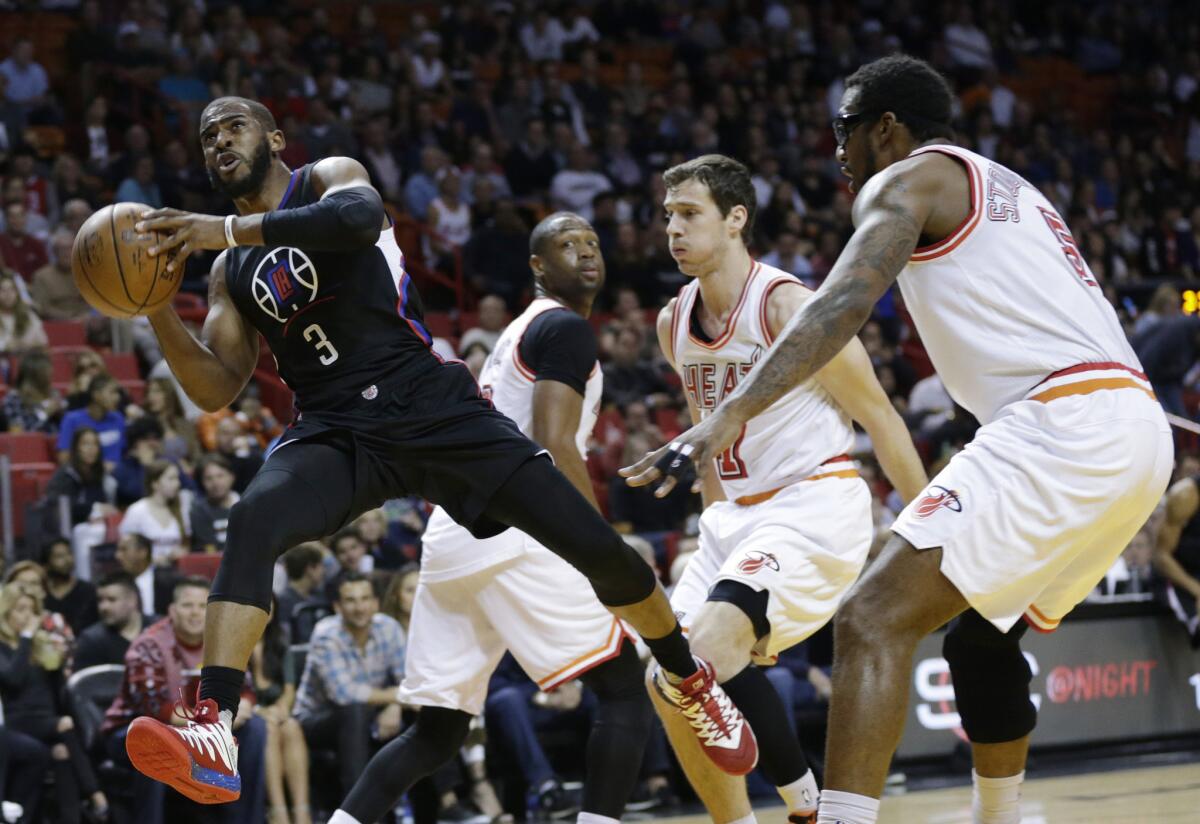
938,498
754,561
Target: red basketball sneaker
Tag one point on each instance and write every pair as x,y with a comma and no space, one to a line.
199,760
723,733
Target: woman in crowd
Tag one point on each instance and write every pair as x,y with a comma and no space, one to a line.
275,677
88,364
179,443
398,600
160,516
20,329
33,405
31,664
91,490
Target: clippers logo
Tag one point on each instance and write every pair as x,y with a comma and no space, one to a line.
938,498
754,561
284,282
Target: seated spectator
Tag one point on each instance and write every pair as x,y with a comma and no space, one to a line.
73,188
31,663
347,699
1168,350
575,187
161,516
305,565
88,364
100,414
52,287
401,592
121,621
372,529
28,84
33,405
514,712
20,248
21,330
180,443
66,594
156,667
210,510
140,186
143,447
155,584
274,673
91,492
30,576
240,449
422,186
449,219
493,318
24,762
350,552
630,379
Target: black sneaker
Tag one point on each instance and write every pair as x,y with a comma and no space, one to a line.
644,798
459,813
556,802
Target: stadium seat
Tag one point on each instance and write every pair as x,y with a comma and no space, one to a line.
90,692
122,365
203,564
27,447
29,482
439,324
65,333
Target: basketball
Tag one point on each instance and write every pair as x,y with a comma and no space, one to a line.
113,268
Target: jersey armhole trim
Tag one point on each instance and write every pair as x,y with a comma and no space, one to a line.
765,304
975,193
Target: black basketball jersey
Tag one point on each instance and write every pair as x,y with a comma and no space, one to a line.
1188,551
338,323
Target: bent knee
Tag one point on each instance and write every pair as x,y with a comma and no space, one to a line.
723,635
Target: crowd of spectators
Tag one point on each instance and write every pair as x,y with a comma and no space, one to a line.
475,119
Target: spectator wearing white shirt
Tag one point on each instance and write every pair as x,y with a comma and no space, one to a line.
543,37
574,187
966,43
161,516
428,70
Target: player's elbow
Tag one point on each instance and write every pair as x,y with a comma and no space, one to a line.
361,215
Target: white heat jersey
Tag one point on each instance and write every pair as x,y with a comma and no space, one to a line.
1007,299
509,382
794,435
448,549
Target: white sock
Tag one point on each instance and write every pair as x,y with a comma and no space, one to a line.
801,795
996,800
845,808
750,819
343,817
589,818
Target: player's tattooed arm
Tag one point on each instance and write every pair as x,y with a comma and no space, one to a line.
890,212
889,217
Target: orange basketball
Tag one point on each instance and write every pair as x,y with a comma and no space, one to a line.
113,269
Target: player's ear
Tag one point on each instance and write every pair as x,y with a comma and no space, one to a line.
736,219
276,141
535,263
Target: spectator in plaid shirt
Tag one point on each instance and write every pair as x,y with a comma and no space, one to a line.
156,675
347,699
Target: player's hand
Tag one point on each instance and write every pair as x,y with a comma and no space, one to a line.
389,722
186,232
698,446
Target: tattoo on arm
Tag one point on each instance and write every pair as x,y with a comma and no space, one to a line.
887,235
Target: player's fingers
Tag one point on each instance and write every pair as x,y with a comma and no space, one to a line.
642,472
169,242
664,488
164,212
179,258
160,224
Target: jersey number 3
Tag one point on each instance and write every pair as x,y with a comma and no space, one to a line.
314,332
730,466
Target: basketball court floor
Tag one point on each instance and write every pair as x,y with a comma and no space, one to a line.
1153,795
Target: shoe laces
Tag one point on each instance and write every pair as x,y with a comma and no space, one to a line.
198,711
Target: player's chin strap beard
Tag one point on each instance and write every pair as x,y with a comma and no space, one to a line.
675,461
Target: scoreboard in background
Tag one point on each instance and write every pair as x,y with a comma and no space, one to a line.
1095,680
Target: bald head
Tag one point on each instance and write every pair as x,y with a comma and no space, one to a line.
553,225
224,107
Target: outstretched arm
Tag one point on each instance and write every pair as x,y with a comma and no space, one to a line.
889,213
1183,502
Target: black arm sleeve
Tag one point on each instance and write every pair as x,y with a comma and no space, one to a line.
559,345
345,220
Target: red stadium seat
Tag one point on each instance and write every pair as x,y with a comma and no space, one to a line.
439,324
203,564
122,365
65,332
29,481
27,447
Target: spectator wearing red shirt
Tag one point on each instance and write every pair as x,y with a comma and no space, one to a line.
19,249
159,670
